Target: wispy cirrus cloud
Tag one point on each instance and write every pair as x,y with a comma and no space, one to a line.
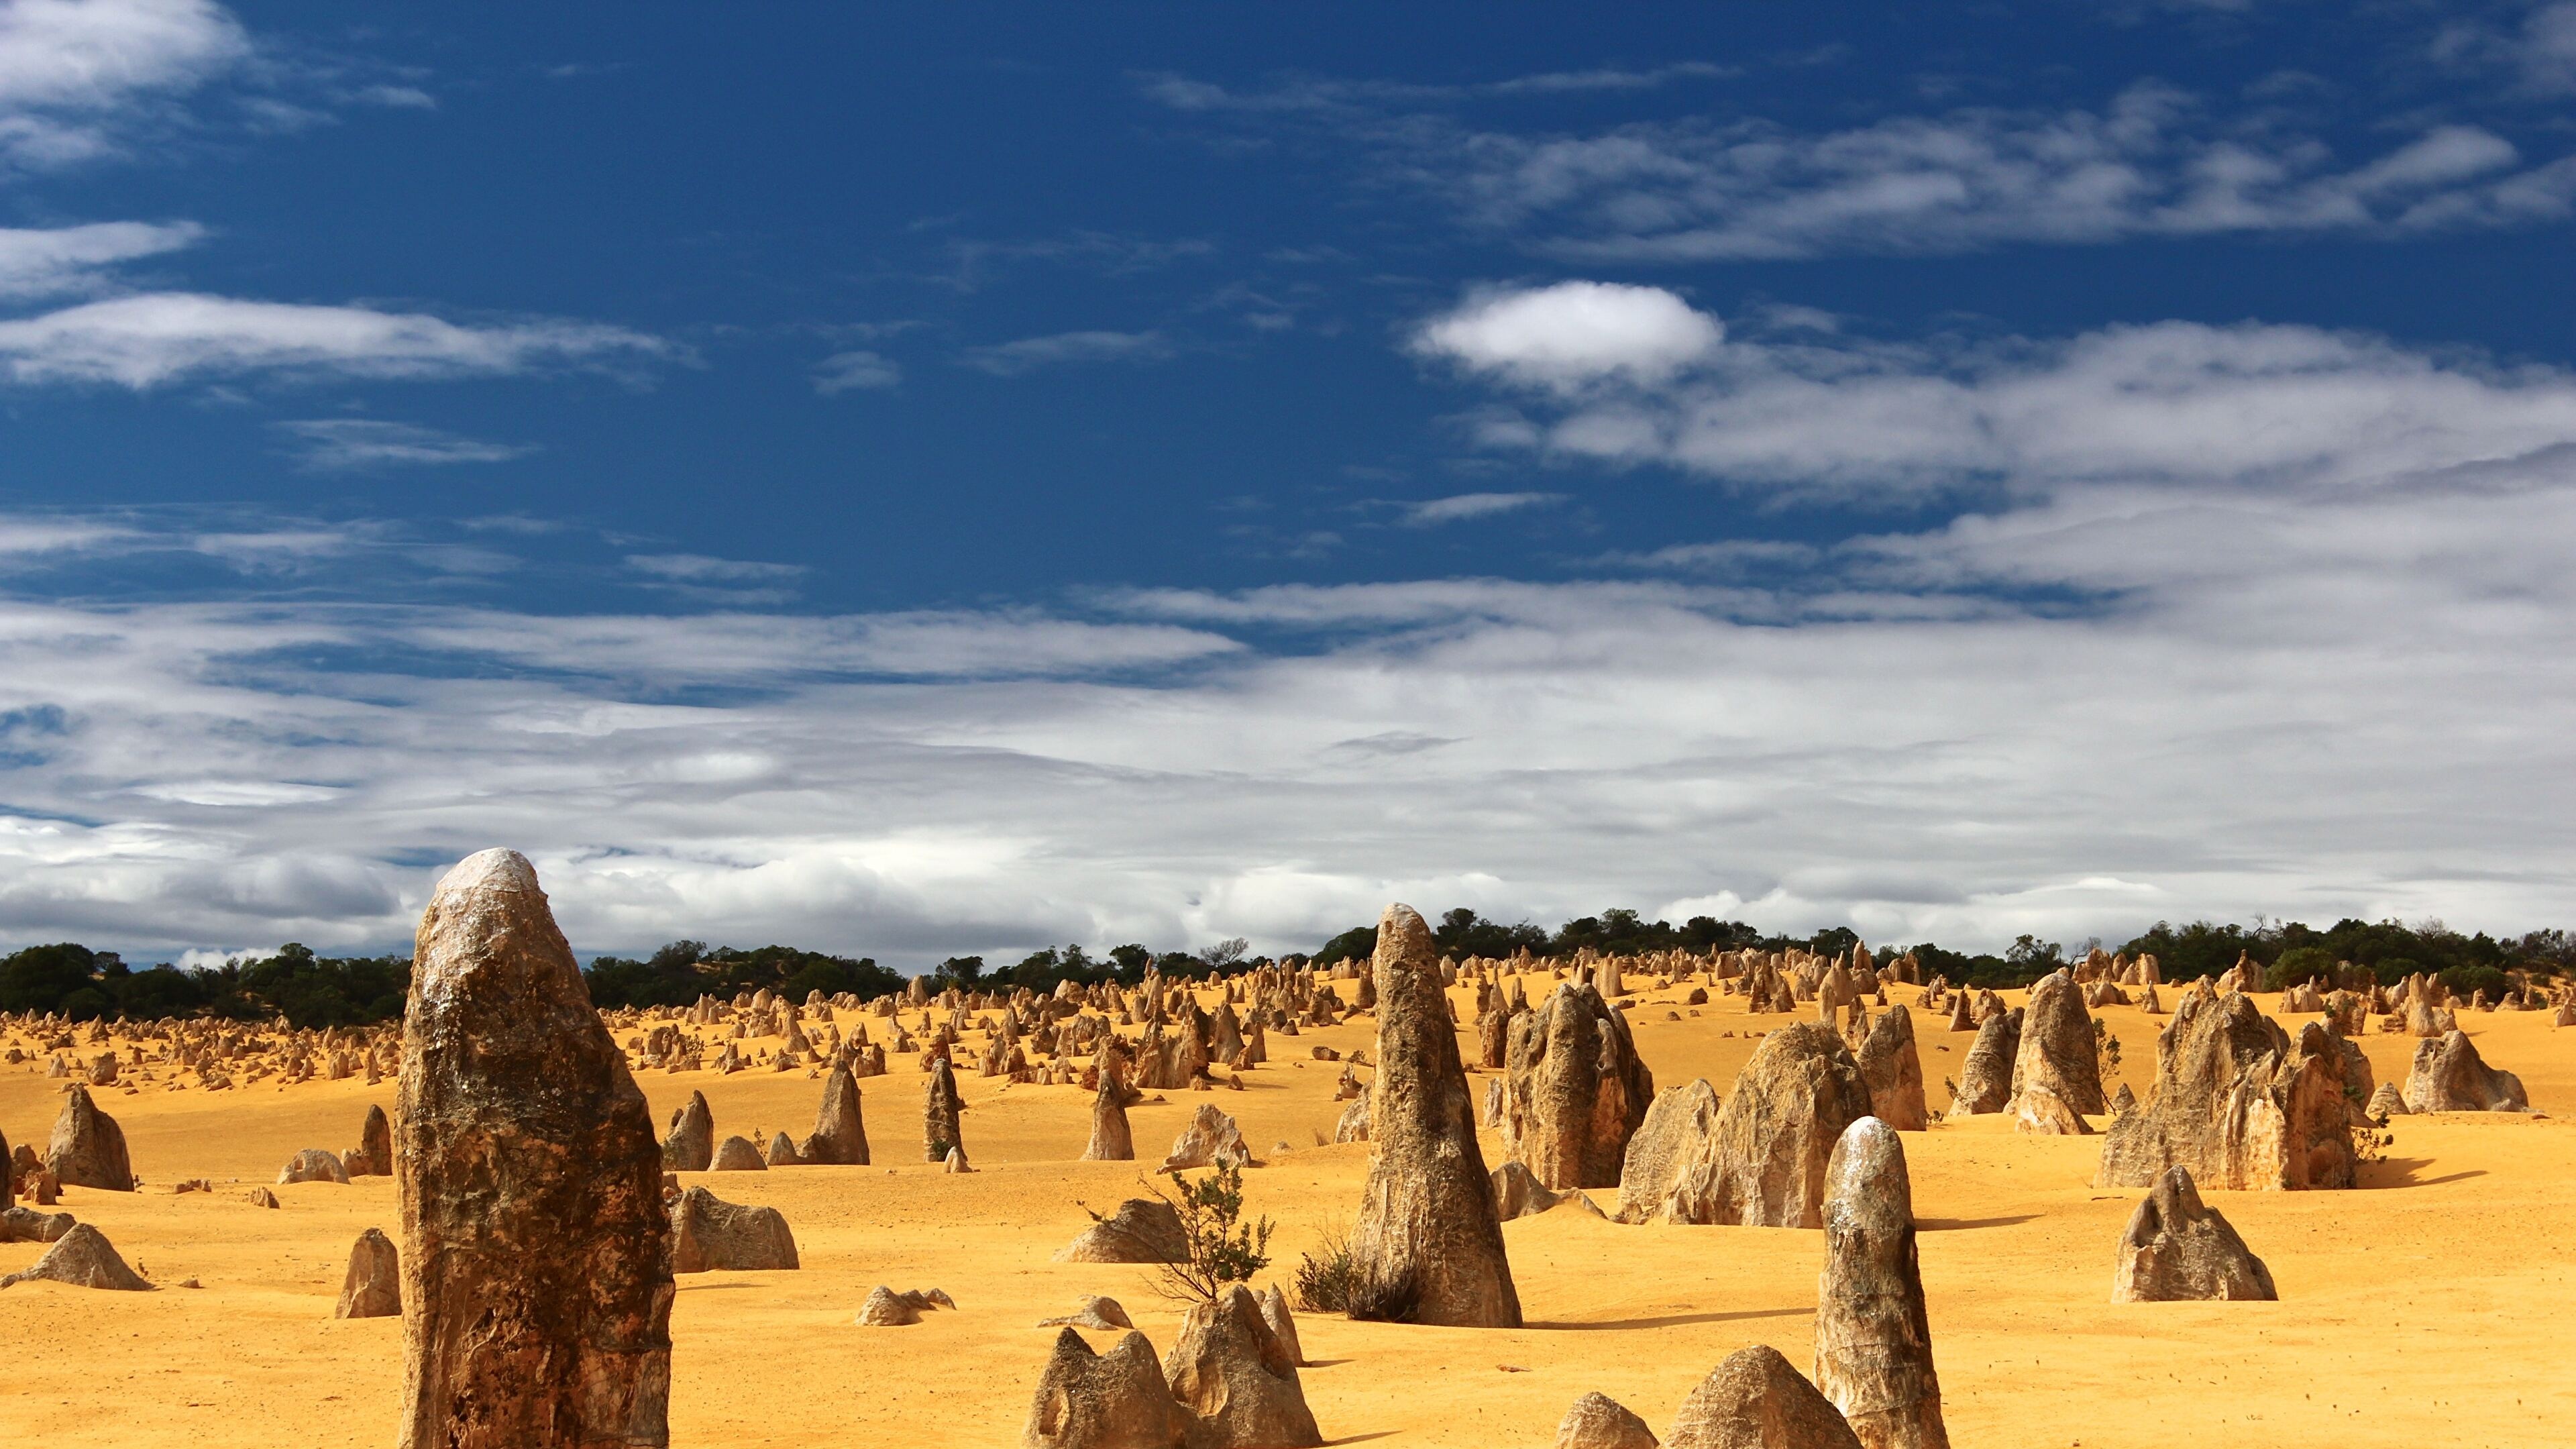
37,262
338,444
152,339
2155,161
1028,354
1460,507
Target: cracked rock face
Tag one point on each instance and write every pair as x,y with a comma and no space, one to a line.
535,1260
2450,1076
1597,1421
2240,1104
1230,1371
1575,1092
1680,1119
2178,1247
1426,1247
1113,1400
1763,1164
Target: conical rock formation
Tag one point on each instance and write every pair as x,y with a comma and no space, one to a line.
1873,1340
2178,1247
1577,1090
1426,1247
536,1272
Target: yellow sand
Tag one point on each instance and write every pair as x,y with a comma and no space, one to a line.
2429,1308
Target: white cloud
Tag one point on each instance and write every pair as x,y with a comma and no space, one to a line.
2279,406
2225,637
1572,333
1459,507
35,263
154,338
698,568
855,370
346,443
2154,162
1010,359
72,71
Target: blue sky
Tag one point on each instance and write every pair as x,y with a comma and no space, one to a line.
913,479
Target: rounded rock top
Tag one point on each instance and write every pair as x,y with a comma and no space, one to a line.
499,868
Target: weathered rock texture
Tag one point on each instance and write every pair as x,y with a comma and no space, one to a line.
1986,1077
536,1272
941,1110
2057,1076
840,1136
1764,1164
313,1165
2450,1076
1893,1072
1576,1091
88,1148
1111,1138
2238,1104
1755,1399
1681,1118
1142,1230
740,1154
1426,1247
374,1156
1873,1341
1210,1140
2178,1247
709,1233
1597,1421
1231,1371
373,1286
691,1147
1113,1400
83,1258
27,1225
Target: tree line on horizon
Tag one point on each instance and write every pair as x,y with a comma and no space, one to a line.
310,991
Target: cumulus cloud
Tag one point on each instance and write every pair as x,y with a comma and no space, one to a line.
1010,359
155,338
333,444
1572,333
1831,416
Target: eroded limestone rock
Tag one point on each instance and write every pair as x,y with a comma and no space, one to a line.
1576,1090
2178,1247
372,1288
1873,1340
1426,1247
535,1262
1755,1399
1764,1163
